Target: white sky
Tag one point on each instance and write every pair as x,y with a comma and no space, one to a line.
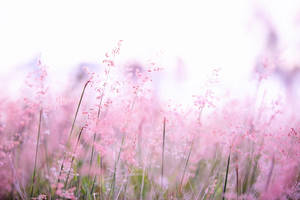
205,34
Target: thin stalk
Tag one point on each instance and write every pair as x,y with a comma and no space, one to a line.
17,186
113,183
78,106
270,174
101,178
199,193
124,183
72,128
226,176
117,197
47,165
237,181
92,153
112,187
93,184
246,179
143,182
78,186
94,138
100,181
36,153
73,157
185,166
163,153
93,147
192,188
125,189
215,190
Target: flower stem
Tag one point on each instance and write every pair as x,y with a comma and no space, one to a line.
36,154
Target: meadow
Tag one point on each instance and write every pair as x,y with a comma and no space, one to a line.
112,137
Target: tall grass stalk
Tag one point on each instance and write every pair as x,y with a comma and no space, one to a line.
226,176
185,166
125,188
113,183
93,184
143,182
73,156
237,181
270,174
20,190
94,140
71,131
163,154
94,137
36,153
124,184
47,164
78,107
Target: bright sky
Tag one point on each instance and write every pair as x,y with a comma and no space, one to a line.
204,34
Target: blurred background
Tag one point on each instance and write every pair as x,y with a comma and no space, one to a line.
241,38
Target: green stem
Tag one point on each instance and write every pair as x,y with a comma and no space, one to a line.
112,188
73,157
226,176
185,167
163,153
94,139
143,182
237,182
73,124
270,174
36,153
78,106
